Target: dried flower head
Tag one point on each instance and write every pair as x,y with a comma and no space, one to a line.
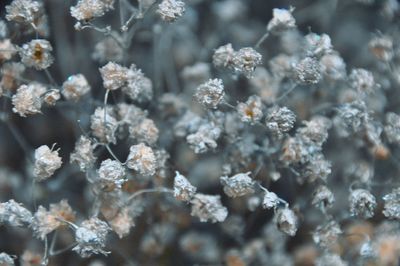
286,221
362,203
171,10
114,76
392,128
333,67
183,190
44,222
210,94
91,237
75,87
238,185
308,71
327,235
122,222
223,56
89,9
24,11
280,120
107,50
205,138
47,162
51,97
200,246
102,129
139,88
323,197
281,21
330,259
28,99
141,158
270,200
362,80
83,153
245,61
391,207
37,54
14,214
145,131
7,50
111,174
251,110
208,207
318,45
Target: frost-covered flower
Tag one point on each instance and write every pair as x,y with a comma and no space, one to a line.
280,120
208,207
382,47
223,56
138,87
392,128
111,174
75,87
141,158
281,21
318,45
37,54
308,71
183,190
14,214
47,162
89,9
171,10
83,153
245,61
270,200
250,111
326,235
7,50
362,203
362,80
28,99
323,197
238,185
210,94
91,237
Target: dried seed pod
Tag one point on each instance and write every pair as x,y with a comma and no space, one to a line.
308,71
323,197
111,174
83,153
270,200
280,120
392,204
245,61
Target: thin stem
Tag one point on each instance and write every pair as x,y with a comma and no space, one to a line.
286,93
105,126
149,190
58,252
50,77
45,259
261,40
20,139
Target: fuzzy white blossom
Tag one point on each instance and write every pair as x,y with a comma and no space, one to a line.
141,158
111,174
47,161
171,10
210,94
75,87
37,54
83,153
28,99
